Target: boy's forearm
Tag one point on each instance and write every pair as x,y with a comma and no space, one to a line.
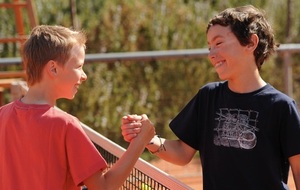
168,150
297,181
122,168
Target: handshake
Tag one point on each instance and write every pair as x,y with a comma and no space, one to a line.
133,125
139,127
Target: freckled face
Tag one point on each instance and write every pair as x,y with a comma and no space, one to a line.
226,54
72,74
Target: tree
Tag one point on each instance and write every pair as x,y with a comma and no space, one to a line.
158,88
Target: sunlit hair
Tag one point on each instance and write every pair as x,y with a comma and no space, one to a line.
245,21
47,43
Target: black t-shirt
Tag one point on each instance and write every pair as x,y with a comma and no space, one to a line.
244,140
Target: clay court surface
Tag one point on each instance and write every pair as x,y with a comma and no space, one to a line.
191,174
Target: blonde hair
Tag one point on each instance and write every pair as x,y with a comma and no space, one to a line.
47,43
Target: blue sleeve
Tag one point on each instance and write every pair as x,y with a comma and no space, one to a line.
291,131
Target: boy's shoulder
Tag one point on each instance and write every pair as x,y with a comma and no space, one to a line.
47,113
6,105
4,109
214,85
62,116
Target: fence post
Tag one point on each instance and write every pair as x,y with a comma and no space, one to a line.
288,74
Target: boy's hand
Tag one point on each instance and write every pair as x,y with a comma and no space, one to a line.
132,126
147,131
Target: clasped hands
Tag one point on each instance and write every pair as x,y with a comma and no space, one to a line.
133,125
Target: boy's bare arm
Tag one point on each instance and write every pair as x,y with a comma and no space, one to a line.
295,165
174,151
115,176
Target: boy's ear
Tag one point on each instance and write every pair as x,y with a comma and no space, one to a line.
51,68
253,42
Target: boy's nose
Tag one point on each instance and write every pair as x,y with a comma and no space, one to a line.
83,76
211,55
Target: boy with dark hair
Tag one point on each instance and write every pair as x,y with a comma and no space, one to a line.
42,147
246,131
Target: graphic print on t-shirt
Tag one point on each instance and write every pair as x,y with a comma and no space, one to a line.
236,128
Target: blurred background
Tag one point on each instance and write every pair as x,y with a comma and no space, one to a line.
158,88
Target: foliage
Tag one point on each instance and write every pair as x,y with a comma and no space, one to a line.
143,87
157,88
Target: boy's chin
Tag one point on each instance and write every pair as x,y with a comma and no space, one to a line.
222,77
69,97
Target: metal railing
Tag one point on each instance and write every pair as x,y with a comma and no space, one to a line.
151,55
144,176
285,50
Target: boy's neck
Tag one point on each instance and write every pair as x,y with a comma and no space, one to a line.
36,96
246,86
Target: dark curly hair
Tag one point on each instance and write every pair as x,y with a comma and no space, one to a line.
245,21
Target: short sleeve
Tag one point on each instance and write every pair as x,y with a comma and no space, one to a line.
290,133
83,158
185,125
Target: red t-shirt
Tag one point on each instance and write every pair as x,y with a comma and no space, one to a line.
42,147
